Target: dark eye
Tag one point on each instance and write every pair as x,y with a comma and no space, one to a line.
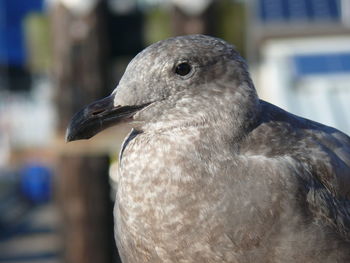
183,69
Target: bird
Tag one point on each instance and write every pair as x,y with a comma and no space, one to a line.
212,173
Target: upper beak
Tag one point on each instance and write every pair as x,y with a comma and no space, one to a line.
98,116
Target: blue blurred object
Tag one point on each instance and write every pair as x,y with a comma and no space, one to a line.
320,64
21,201
12,13
36,183
299,10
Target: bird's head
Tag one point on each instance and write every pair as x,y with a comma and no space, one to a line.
169,82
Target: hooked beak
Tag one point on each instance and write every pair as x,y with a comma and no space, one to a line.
98,116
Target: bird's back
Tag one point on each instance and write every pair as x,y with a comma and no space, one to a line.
324,151
313,160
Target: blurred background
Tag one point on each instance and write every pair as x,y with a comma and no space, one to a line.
56,199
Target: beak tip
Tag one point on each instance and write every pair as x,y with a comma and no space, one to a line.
73,134
69,136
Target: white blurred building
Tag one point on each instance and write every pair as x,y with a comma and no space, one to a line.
309,77
28,118
302,52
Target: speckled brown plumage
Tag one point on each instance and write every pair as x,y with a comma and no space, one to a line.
211,173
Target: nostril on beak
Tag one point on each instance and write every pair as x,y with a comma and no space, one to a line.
97,112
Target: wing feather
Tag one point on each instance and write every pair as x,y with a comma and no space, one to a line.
322,152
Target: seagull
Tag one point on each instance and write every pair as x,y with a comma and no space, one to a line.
211,173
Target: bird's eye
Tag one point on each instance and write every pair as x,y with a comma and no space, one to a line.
183,69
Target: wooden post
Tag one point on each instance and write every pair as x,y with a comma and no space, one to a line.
80,74
80,60
86,209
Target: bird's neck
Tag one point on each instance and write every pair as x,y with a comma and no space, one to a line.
231,113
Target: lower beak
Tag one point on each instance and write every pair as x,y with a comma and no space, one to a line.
98,116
